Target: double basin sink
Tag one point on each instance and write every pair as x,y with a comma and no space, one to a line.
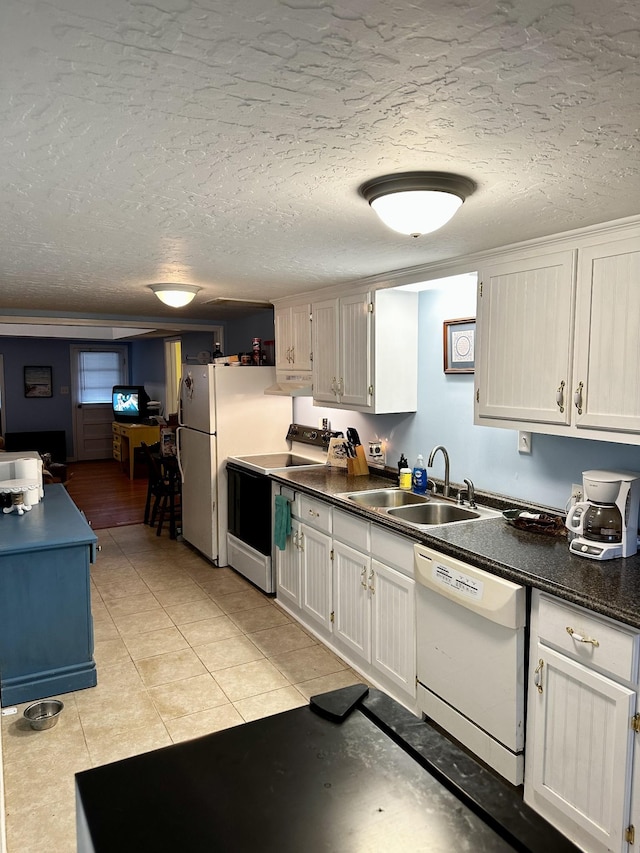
416,510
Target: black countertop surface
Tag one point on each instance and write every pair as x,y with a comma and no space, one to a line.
376,779
610,587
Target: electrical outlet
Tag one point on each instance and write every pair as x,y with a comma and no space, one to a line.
524,442
576,493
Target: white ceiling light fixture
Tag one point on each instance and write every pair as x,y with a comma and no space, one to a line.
416,203
175,295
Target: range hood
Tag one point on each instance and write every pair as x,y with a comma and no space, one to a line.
291,386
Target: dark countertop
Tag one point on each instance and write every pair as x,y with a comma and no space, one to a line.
376,778
610,587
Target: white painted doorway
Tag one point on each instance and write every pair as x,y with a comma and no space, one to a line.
94,372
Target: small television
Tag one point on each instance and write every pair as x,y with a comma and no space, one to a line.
129,403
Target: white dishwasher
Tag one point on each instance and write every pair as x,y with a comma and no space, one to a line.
470,658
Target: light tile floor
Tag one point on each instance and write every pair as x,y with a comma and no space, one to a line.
182,649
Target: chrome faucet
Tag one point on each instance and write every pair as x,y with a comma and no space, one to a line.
471,493
446,489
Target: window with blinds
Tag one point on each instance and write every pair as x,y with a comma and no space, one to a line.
98,372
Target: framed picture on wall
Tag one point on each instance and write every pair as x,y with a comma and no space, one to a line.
459,345
38,381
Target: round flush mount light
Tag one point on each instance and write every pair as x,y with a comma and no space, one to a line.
416,203
175,295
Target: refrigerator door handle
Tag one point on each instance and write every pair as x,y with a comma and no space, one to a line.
180,387
178,431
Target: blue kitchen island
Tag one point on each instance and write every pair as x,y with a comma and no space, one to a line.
46,629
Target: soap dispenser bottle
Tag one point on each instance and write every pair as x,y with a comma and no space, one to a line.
419,477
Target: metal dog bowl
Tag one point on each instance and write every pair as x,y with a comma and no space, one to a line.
43,715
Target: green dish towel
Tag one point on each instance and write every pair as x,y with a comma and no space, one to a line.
282,522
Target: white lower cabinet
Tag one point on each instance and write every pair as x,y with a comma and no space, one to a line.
351,584
580,736
315,551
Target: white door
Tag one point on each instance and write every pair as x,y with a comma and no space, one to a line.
352,608
301,334
288,567
579,751
524,325
393,644
354,356
607,349
198,463
324,330
94,372
316,575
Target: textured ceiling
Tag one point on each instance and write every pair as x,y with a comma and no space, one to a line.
222,142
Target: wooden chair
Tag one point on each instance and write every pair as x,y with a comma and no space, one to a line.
164,489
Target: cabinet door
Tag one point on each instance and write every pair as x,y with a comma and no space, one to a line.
607,351
301,335
393,634
316,575
288,581
355,355
284,338
579,750
325,350
524,324
352,611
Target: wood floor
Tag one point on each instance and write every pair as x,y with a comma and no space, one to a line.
105,494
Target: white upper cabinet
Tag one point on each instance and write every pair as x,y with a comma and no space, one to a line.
559,342
359,343
524,324
293,338
607,348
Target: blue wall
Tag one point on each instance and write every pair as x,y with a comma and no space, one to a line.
146,367
445,416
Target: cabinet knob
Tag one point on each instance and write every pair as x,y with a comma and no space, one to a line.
577,398
363,577
560,396
371,586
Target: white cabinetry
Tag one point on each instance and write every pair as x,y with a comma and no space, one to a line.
607,347
524,323
359,343
351,583
580,741
293,338
559,342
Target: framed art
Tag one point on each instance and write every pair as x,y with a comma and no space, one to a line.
459,345
38,381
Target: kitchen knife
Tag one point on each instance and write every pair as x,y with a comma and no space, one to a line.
352,435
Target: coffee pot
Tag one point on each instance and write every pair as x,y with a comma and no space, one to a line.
605,524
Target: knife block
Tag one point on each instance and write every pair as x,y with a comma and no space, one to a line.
358,467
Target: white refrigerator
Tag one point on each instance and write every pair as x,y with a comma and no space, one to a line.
223,412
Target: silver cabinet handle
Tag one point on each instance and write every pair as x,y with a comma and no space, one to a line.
301,541
293,355
580,639
313,513
537,677
334,386
560,396
577,398
363,577
341,387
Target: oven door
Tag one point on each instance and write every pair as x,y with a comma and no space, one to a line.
249,496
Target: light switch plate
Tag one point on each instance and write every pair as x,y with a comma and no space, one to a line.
524,442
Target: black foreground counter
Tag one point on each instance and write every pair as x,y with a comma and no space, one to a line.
380,780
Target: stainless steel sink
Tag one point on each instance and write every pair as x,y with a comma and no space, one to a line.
433,513
384,498
416,510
